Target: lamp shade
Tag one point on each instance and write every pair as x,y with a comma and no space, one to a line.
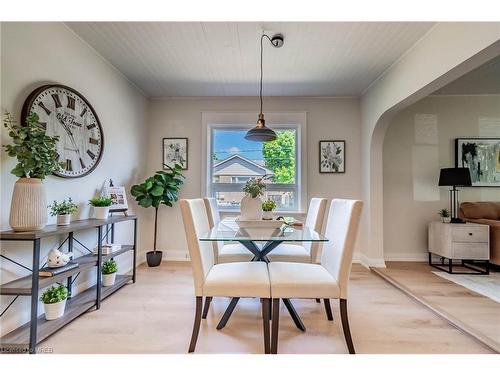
261,133
455,177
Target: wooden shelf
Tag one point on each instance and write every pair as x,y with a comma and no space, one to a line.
22,286
19,338
53,230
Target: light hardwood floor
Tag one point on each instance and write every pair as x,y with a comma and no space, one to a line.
477,313
155,315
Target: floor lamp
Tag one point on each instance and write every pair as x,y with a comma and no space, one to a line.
454,177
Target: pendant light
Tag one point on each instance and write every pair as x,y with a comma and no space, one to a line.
261,133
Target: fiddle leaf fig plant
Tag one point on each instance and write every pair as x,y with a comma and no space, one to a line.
34,149
162,188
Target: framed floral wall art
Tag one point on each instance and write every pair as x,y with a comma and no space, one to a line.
175,151
332,156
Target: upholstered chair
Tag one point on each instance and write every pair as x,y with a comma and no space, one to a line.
306,252
224,253
326,280
238,279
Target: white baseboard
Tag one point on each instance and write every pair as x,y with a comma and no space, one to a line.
368,262
406,257
175,255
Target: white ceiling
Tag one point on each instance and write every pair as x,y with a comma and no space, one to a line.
222,59
484,80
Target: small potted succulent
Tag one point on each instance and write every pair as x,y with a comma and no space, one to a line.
109,269
54,301
63,211
101,206
445,215
251,204
268,207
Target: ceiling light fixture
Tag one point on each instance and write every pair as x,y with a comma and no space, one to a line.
261,133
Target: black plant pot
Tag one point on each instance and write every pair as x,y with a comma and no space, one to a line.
154,258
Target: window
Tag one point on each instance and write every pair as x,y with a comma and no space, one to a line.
232,161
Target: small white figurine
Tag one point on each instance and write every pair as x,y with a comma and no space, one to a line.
58,259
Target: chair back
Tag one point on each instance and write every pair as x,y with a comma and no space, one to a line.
213,220
341,230
314,220
194,216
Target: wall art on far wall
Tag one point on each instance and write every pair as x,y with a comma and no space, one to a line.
175,151
482,157
332,156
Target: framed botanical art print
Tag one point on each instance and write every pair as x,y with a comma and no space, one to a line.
482,157
332,156
175,151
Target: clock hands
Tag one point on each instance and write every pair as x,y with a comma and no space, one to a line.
65,126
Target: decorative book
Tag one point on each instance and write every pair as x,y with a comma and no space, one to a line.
49,272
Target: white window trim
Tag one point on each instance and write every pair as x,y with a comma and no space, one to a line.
276,120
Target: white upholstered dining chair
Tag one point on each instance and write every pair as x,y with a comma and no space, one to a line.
224,253
326,280
306,252
238,279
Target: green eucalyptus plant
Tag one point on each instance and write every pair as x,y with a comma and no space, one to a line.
268,205
100,201
34,149
162,188
255,187
64,208
109,267
55,294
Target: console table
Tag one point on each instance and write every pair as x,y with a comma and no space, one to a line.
26,337
468,242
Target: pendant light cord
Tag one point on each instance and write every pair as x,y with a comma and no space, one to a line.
261,66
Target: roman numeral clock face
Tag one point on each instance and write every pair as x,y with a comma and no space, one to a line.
64,112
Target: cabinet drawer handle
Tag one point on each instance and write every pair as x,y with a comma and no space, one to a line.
470,234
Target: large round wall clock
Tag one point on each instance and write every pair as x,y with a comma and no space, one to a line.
65,112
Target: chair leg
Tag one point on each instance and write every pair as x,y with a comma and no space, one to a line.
345,325
318,300
266,303
275,325
196,325
206,307
328,309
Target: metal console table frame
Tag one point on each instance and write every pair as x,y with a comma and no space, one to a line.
26,337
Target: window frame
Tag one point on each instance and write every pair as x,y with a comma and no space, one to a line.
242,121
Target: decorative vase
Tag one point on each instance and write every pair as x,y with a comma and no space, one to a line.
267,215
108,279
28,209
64,219
251,208
54,311
101,213
446,220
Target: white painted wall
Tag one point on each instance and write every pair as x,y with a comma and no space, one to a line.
411,167
446,52
34,54
328,118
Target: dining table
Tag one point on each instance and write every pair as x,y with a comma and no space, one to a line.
260,239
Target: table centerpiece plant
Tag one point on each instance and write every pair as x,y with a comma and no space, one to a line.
162,188
63,211
268,207
251,204
36,156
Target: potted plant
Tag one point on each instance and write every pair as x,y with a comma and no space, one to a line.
268,207
109,269
63,211
445,215
36,159
101,206
54,301
162,188
251,204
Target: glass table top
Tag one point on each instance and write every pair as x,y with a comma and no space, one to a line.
230,231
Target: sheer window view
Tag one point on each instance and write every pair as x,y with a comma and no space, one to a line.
235,160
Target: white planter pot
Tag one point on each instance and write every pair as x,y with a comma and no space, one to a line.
63,219
446,219
267,215
251,208
101,213
109,279
28,209
54,310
